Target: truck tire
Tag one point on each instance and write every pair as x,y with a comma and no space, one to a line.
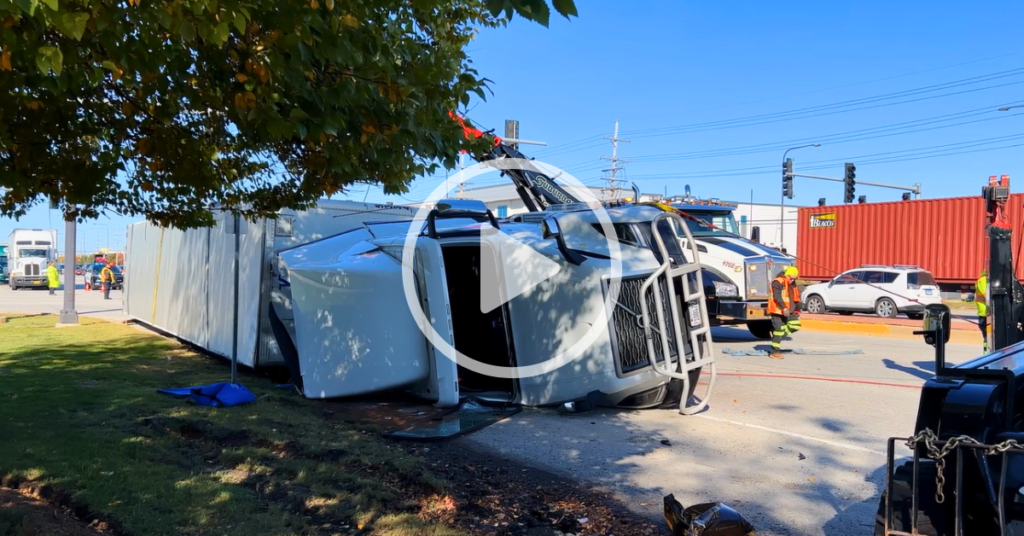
933,519
762,329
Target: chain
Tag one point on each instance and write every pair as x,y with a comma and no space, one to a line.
928,439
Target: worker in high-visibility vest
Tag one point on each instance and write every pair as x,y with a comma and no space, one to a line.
981,300
106,280
52,278
783,302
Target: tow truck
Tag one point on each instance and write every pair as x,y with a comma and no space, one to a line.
966,472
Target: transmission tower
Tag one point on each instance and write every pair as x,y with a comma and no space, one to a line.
613,182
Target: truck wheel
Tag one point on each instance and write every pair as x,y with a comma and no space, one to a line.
933,519
885,308
762,329
815,305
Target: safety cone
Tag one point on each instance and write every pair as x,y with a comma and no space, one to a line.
88,286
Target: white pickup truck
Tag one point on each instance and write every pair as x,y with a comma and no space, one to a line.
28,253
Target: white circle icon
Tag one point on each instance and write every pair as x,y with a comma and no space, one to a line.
598,325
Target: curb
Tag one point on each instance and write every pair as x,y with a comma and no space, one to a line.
882,330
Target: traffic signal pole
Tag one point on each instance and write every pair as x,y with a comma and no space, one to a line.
915,189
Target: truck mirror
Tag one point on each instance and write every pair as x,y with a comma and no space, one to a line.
755,234
550,227
936,315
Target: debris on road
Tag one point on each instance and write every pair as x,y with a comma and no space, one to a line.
666,442
798,351
800,456
707,519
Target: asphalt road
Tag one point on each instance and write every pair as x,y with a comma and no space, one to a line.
89,303
796,456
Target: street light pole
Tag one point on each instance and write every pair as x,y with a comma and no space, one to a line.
68,315
782,203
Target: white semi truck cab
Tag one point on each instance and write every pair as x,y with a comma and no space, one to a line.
738,273
29,252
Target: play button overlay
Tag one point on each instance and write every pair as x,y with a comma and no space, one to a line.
508,268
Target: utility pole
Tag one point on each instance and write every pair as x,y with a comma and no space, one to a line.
613,185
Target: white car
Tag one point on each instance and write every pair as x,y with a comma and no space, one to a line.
884,290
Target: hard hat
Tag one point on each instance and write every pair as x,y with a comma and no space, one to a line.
791,271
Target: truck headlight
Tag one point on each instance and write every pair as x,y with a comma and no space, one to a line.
727,290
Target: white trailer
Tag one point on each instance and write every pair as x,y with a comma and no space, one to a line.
182,282
29,251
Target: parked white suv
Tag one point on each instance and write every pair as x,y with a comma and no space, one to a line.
884,290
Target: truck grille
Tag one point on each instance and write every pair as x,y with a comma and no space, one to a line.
31,269
758,279
627,330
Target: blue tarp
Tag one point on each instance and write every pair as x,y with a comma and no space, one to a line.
218,395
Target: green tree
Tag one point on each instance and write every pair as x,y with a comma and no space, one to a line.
163,108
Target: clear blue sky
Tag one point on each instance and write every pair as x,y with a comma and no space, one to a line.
666,70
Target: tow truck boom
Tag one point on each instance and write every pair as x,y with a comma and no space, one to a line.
537,190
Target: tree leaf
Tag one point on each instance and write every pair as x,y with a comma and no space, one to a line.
496,6
5,60
52,4
56,60
536,10
187,31
223,31
28,6
567,8
239,22
73,24
350,21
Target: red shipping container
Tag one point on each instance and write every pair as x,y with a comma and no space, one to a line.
945,236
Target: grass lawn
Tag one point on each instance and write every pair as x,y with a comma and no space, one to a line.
79,410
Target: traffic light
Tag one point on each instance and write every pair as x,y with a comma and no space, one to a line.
821,201
906,196
787,178
850,181
862,199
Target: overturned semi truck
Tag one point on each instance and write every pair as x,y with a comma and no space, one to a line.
321,292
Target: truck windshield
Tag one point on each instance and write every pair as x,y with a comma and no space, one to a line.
724,224
28,252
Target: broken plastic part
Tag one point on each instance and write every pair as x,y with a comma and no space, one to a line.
708,519
471,415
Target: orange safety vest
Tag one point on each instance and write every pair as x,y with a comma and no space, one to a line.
774,308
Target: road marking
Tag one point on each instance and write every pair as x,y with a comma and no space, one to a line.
817,378
796,435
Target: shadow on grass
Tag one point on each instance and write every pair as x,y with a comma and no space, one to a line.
80,412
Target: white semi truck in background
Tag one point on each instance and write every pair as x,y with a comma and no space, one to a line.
737,272
29,252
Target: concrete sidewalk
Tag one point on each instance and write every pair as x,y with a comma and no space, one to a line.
88,303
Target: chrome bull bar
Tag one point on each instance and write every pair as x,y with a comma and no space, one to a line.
700,336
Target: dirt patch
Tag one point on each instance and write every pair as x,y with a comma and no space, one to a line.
488,494
22,514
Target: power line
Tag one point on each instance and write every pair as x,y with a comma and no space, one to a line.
841,137
880,158
791,95
832,108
